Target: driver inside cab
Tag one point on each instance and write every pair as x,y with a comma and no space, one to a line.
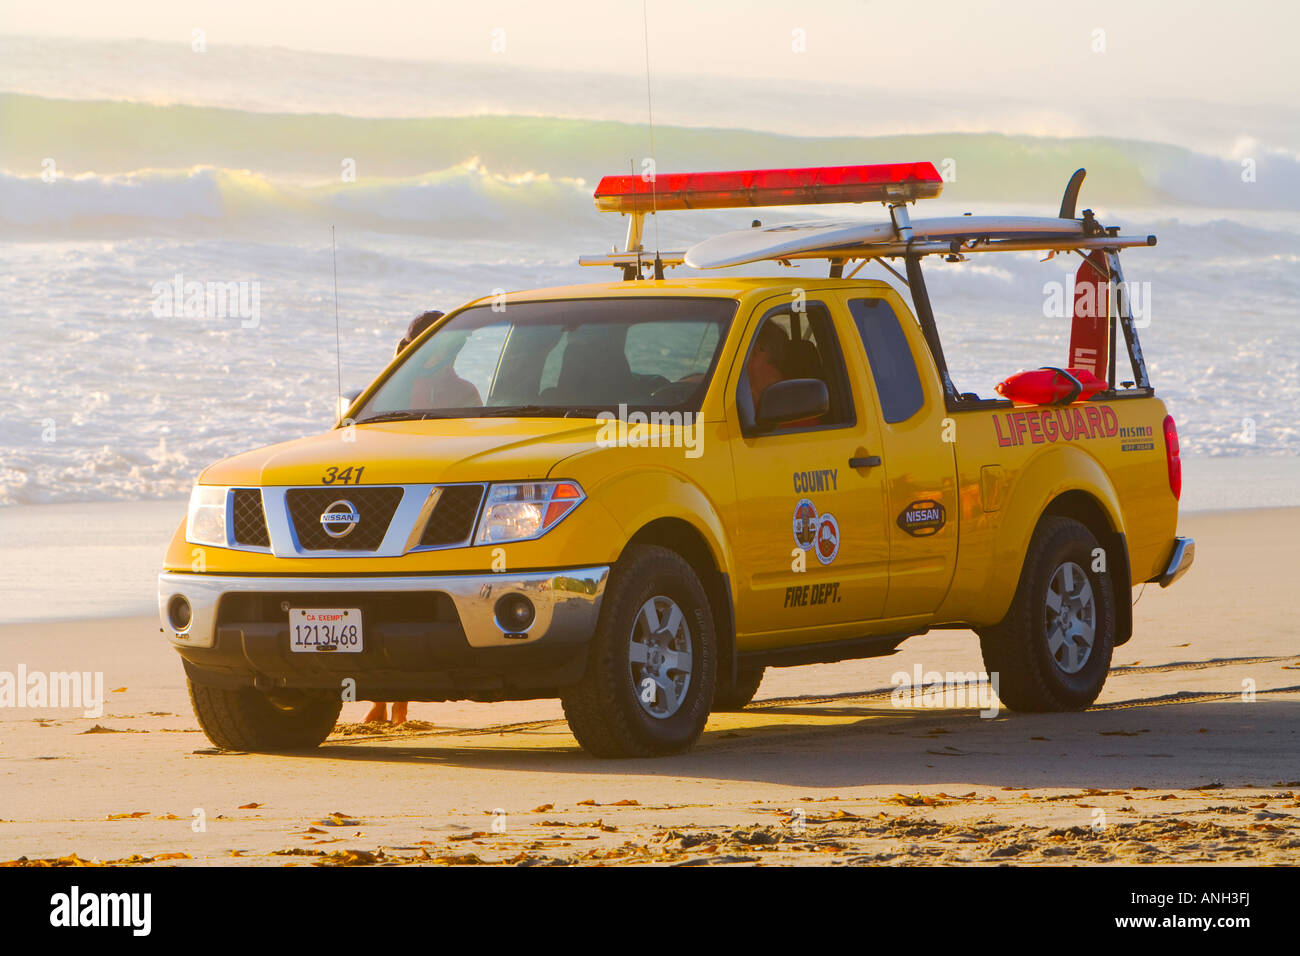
770,362
768,359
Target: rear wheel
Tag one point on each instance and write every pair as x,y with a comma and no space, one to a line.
246,719
1052,651
649,680
735,696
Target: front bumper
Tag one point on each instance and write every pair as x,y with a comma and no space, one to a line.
427,637
1180,560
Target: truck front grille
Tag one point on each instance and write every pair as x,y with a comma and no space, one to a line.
374,506
249,524
452,521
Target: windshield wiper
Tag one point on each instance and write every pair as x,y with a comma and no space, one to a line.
407,415
540,411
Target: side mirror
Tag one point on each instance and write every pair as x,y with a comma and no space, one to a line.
792,400
344,403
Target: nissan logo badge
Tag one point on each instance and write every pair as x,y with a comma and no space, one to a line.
340,518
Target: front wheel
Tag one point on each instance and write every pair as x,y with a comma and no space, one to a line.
653,661
1052,651
246,719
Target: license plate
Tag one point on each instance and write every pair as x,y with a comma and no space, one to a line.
335,630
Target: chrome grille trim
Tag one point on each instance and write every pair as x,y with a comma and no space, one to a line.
404,534
284,540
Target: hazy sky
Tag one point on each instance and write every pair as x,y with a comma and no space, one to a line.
1194,49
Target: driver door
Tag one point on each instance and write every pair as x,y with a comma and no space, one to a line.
812,554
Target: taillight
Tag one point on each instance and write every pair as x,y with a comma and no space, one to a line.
1171,455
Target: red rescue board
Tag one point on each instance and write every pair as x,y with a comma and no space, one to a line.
1090,332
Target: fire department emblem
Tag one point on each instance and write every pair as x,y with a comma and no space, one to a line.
805,524
827,543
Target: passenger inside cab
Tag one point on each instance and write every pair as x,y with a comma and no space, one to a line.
440,386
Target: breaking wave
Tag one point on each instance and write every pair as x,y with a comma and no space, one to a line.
170,164
466,201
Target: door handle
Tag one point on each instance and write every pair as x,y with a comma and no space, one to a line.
871,461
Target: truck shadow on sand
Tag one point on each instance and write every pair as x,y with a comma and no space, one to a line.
1186,740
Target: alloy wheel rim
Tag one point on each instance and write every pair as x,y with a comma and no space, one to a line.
660,657
1070,618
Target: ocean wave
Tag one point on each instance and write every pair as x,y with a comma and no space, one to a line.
315,149
467,201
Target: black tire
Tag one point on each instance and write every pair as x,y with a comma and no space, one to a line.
604,710
736,696
246,719
1030,676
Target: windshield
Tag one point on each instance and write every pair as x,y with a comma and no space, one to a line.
575,357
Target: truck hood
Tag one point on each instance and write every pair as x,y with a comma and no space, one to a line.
438,450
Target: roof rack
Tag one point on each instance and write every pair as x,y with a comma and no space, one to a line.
895,184
840,242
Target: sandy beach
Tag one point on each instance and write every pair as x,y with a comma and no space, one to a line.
1192,755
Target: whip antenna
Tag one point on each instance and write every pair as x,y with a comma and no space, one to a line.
650,123
338,351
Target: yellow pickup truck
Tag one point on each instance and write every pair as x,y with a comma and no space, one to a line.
637,495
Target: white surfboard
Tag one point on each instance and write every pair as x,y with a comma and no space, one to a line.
773,242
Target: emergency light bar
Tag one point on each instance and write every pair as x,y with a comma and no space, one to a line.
886,182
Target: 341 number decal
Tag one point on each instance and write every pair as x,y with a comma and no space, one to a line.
350,475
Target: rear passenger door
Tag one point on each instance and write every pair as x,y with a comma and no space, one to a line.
918,454
811,552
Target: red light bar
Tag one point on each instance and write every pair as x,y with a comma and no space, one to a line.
885,182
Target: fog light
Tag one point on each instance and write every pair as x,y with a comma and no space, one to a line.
515,613
178,612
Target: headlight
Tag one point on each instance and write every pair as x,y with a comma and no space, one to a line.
517,512
206,521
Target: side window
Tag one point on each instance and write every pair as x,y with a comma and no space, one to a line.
892,364
796,344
